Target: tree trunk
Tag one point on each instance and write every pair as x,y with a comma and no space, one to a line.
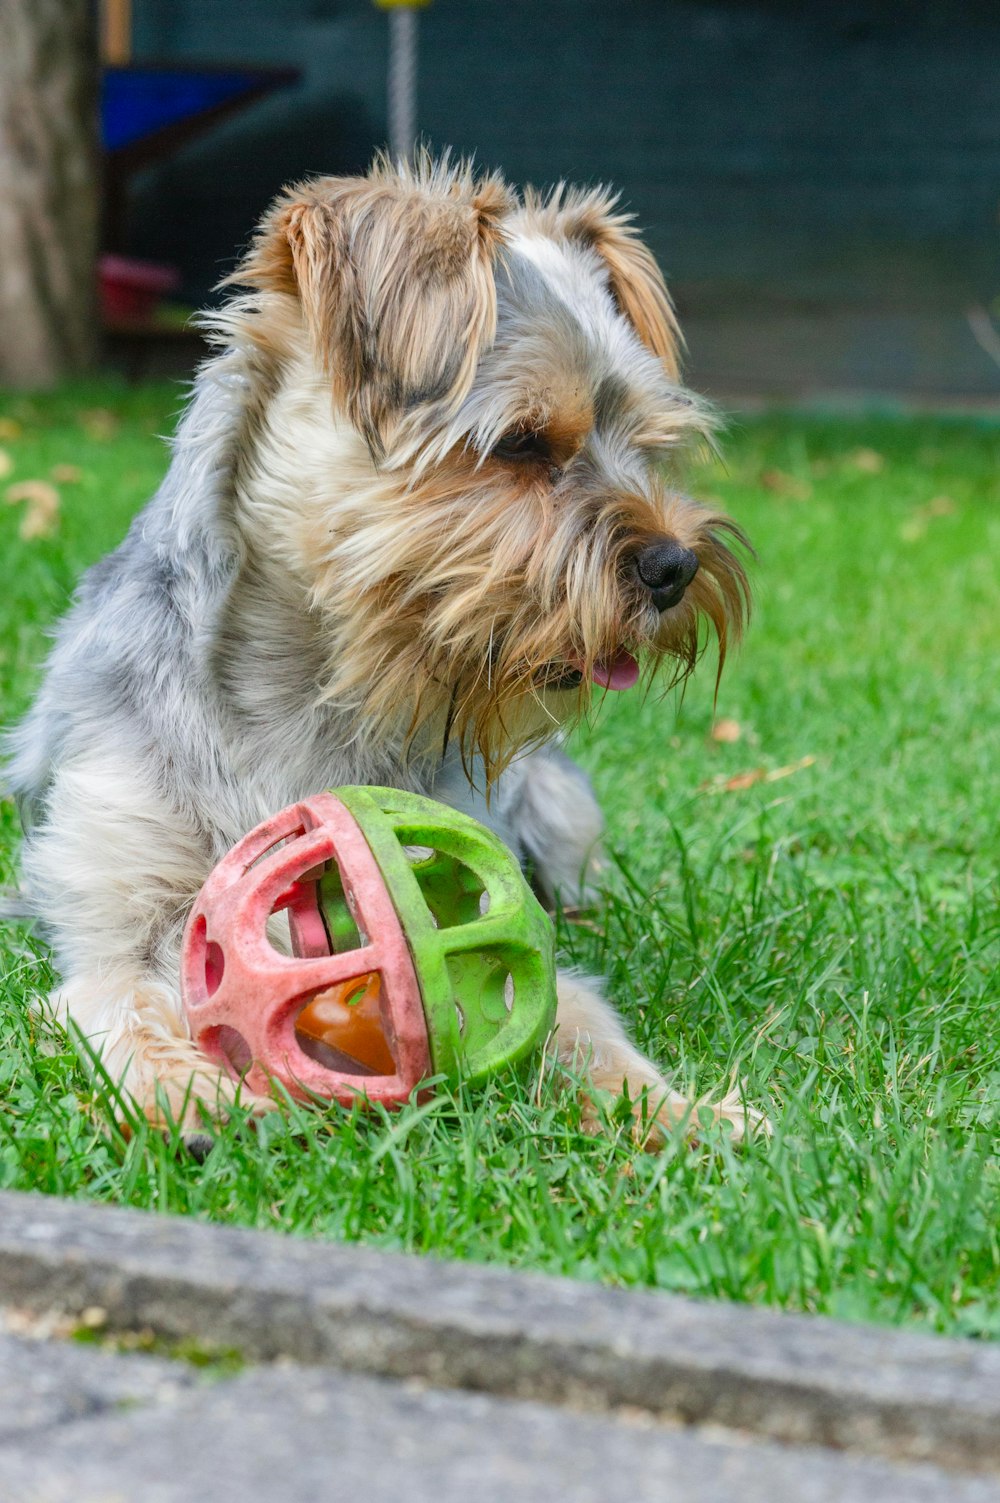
48,190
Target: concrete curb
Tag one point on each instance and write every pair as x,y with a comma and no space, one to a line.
802,1380
281,1433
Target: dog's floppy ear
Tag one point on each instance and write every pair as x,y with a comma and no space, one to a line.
395,276
591,217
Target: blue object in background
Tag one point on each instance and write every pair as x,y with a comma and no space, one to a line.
137,102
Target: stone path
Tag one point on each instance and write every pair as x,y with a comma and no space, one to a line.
377,1376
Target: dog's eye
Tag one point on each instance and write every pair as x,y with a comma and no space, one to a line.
520,444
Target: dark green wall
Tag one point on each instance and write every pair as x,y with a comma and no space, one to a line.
790,162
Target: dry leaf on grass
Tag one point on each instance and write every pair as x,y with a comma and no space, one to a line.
66,474
10,429
914,529
742,780
41,515
727,730
6,464
739,781
868,461
785,485
99,423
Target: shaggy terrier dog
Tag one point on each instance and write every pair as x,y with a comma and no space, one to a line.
419,512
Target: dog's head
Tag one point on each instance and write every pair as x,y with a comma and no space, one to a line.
487,412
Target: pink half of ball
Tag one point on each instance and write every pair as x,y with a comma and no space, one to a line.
249,1004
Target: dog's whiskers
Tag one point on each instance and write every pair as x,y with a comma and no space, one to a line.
489,657
449,719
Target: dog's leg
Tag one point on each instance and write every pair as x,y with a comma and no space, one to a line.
135,1027
112,871
590,1039
544,808
558,824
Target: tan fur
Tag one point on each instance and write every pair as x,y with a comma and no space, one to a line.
591,217
450,616
447,620
394,272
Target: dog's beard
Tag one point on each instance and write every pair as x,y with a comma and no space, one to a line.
482,610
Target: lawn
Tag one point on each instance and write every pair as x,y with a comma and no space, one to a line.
806,899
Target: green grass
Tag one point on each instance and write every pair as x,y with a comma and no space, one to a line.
830,934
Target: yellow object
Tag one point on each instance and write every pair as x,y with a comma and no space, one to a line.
402,4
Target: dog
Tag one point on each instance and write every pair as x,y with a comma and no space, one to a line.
421,509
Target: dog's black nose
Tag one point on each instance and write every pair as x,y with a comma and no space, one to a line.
666,569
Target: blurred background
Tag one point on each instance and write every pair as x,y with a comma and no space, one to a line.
820,181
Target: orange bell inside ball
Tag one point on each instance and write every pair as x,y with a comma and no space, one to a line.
342,1028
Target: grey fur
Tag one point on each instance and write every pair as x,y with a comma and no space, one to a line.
200,665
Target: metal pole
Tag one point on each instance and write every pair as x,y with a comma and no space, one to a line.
116,32
402,83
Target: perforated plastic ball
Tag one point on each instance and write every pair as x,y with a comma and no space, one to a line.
417,950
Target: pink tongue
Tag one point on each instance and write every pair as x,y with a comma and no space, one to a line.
620,674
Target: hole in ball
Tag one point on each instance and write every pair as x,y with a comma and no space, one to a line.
454,894
228,1047
215,965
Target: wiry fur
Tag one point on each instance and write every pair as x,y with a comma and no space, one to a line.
343,580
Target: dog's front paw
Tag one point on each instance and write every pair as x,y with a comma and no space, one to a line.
744,1121
658,1113
191,1101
